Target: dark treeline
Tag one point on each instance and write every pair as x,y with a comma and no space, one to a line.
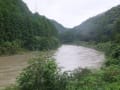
19,28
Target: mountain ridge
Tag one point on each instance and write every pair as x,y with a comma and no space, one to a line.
98,28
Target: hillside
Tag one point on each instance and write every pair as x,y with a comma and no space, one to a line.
64,33
19,28
59,27
99,28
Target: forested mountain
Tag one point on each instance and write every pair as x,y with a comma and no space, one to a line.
19,28
59,27
101,28
64,33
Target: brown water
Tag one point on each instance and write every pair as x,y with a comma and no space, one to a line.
70,57
11,66
67,56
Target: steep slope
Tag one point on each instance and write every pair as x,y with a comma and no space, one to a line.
64,33
100,27
59,27
19,28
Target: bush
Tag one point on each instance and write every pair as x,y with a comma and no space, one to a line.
112,61
12,87
9,48
41,74
116,52
112,74
106,47
42,43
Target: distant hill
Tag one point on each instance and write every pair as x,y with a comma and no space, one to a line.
101,27
65,34
59,27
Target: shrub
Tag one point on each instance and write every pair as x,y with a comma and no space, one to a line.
41,74
9,48
111,74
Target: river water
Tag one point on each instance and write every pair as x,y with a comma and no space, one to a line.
70,57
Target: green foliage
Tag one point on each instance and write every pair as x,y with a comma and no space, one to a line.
116,52
24,26
39,75
61,29
103,33
42,74
67,37
42,43
112,61
111,74
10,47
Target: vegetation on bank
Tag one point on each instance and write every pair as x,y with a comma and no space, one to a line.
22,29
101,32
43,74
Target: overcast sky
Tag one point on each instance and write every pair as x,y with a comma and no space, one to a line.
70,12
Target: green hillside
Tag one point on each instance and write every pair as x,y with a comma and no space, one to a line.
63,32
61,29
100,28
19,28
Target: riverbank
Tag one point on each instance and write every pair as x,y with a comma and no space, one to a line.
11,66
103,46
107,78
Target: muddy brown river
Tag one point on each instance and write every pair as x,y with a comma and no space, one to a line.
11,66
70,57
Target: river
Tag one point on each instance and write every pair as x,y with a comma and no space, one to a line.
70,57
11,67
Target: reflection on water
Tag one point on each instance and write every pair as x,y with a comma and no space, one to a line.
70,57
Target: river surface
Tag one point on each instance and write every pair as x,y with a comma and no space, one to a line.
11,67
70,57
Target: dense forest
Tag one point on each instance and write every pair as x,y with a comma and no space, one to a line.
20,29
60,28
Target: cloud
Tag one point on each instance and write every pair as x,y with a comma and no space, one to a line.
70,12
